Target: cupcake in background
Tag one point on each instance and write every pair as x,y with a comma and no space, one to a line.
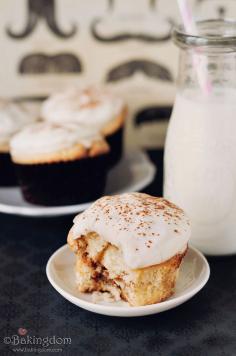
94,108
60,164
13,117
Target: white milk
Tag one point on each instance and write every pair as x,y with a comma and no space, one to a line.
200,167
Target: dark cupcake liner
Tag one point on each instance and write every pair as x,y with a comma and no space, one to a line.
7,171
63,183
115,142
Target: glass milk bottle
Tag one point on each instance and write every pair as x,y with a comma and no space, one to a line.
200,150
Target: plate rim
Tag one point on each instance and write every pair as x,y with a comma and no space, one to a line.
128,311
38,211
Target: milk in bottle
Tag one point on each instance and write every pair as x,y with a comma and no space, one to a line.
200,153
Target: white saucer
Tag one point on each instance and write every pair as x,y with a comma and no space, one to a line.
133,173
194,274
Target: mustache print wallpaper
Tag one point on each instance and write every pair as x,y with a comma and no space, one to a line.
119,24
45,10
41,63
48,45
148,68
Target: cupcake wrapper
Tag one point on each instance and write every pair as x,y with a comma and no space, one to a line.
115,142
8,175
63,183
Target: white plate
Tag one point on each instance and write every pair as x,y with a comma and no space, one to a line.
133,173
194,274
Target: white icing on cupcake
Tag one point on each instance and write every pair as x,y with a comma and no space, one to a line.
33,107
13,117
45,138
148,230
92,107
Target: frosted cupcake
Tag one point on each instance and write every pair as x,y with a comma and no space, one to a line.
94,108
13,117
130,246
59,165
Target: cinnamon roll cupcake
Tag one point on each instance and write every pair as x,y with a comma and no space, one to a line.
13,117
130,246
93,108
59,165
